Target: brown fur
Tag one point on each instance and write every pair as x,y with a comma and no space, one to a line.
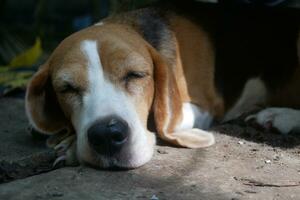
180,69
42,105
197,61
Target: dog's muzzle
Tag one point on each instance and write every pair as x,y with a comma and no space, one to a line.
107,136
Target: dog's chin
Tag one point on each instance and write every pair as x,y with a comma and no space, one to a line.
112,163
121,161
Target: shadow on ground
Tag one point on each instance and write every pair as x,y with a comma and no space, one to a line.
173,173
252,132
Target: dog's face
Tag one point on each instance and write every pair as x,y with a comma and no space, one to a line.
102,86
103,82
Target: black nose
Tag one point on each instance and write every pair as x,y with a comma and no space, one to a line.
108,135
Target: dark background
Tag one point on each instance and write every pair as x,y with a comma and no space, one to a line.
22,22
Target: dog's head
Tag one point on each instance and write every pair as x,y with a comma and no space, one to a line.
103,82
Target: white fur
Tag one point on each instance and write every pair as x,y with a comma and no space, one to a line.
99,24
104,99
194,117
283,119
254,93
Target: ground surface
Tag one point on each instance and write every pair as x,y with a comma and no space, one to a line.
244,164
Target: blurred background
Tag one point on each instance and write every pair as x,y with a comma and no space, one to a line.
30,29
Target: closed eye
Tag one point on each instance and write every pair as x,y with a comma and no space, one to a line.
69,88
131,75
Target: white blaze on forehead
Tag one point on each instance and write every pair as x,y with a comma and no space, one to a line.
90,49
103,99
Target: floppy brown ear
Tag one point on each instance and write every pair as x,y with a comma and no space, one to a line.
42,107
167,108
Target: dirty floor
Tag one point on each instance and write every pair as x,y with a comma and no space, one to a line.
244,164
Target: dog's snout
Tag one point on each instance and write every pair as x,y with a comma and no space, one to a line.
108,135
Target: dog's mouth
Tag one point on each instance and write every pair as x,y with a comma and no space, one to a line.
123,160
112,163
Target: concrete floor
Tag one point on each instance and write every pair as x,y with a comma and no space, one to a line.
223,171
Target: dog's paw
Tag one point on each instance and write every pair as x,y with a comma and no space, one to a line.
65,151
284,120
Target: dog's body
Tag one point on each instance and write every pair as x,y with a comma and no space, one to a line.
103,82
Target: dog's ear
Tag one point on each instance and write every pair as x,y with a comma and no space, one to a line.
167,108
42,107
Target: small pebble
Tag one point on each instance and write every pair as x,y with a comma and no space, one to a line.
276,158
161,151
241,142
253,149
267,161
154,197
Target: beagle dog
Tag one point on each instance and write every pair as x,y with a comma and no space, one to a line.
183,68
